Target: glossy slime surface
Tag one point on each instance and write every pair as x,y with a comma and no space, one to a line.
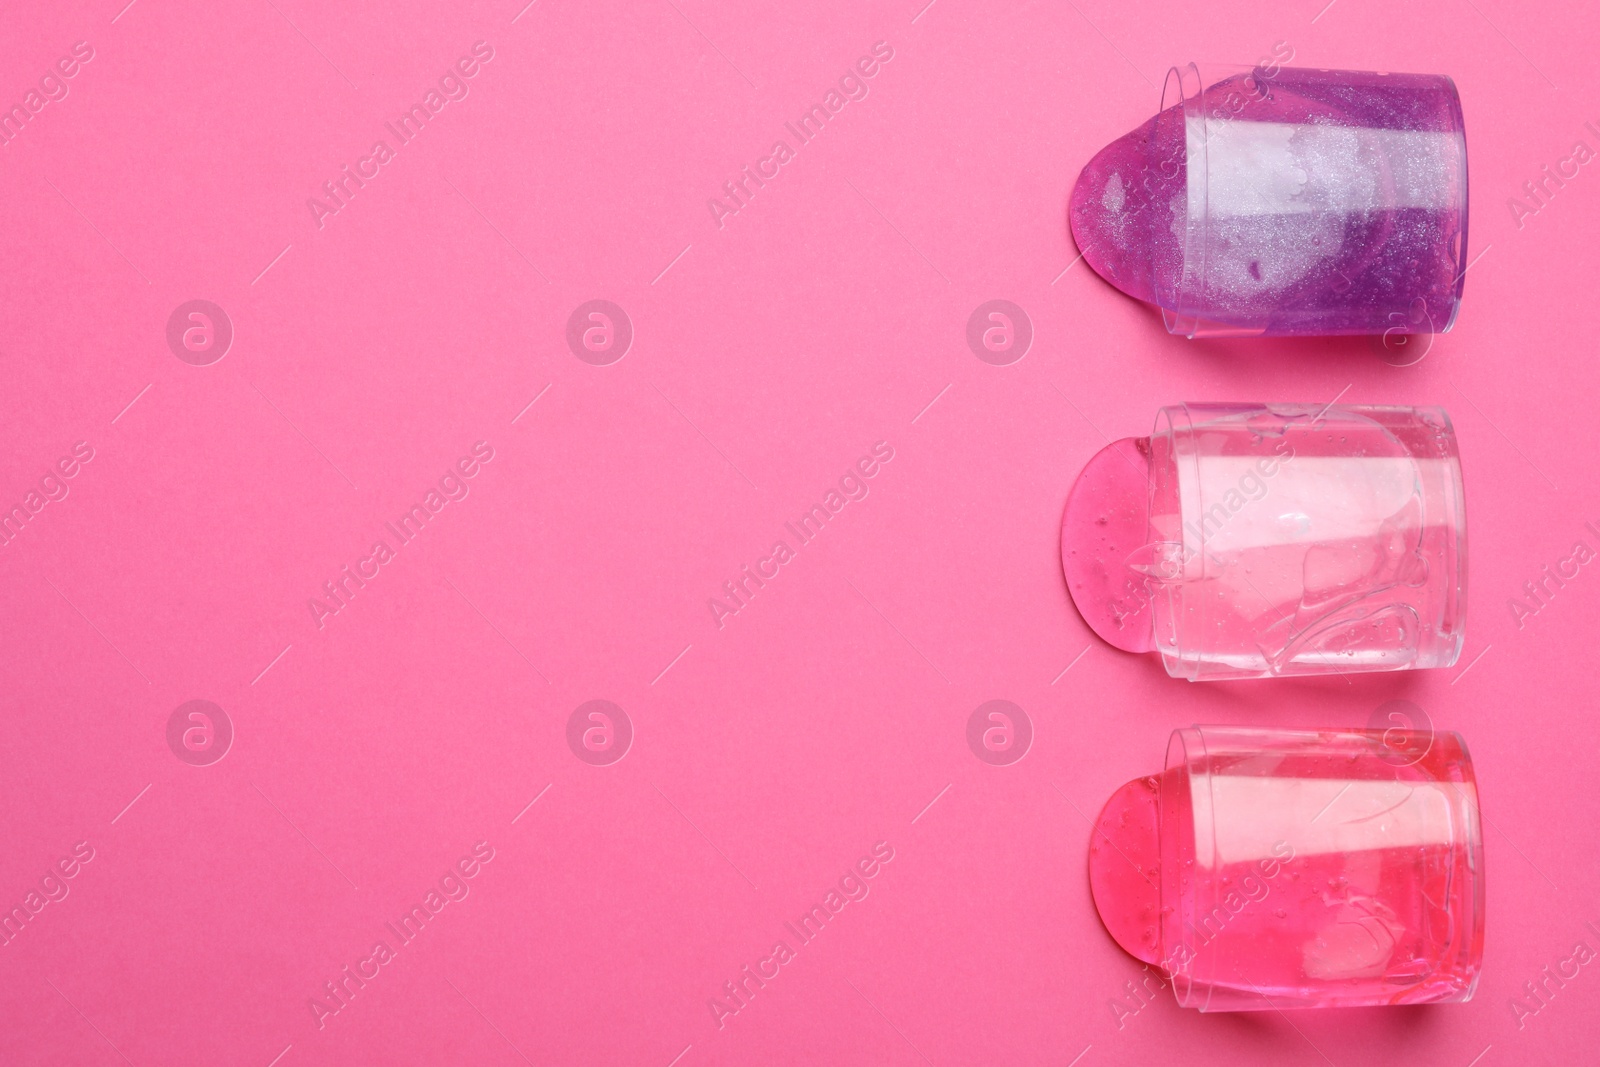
1105,521
1292,540
1277,540
1285,201
1301,870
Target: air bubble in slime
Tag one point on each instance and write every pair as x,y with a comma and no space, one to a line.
1271,200
1274,540
1279,868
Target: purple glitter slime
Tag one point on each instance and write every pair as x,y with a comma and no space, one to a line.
1284,201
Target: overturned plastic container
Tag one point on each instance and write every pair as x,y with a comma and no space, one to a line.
1274,540
1273,200
1267,869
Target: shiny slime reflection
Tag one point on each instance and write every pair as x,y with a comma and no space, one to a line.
1297,869
1274,540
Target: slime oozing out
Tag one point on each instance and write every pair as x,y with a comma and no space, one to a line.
1253,541
1105,521
1286,202
1313,869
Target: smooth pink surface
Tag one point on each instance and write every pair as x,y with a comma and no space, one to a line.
767,358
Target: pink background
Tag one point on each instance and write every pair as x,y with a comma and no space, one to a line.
769,354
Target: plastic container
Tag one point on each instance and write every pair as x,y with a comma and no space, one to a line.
1273,540
1272,200
1270,869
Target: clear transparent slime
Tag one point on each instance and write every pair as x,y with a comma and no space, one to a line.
1275,540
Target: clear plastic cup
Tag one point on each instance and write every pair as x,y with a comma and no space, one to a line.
1294,539
1285,868
1274,200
